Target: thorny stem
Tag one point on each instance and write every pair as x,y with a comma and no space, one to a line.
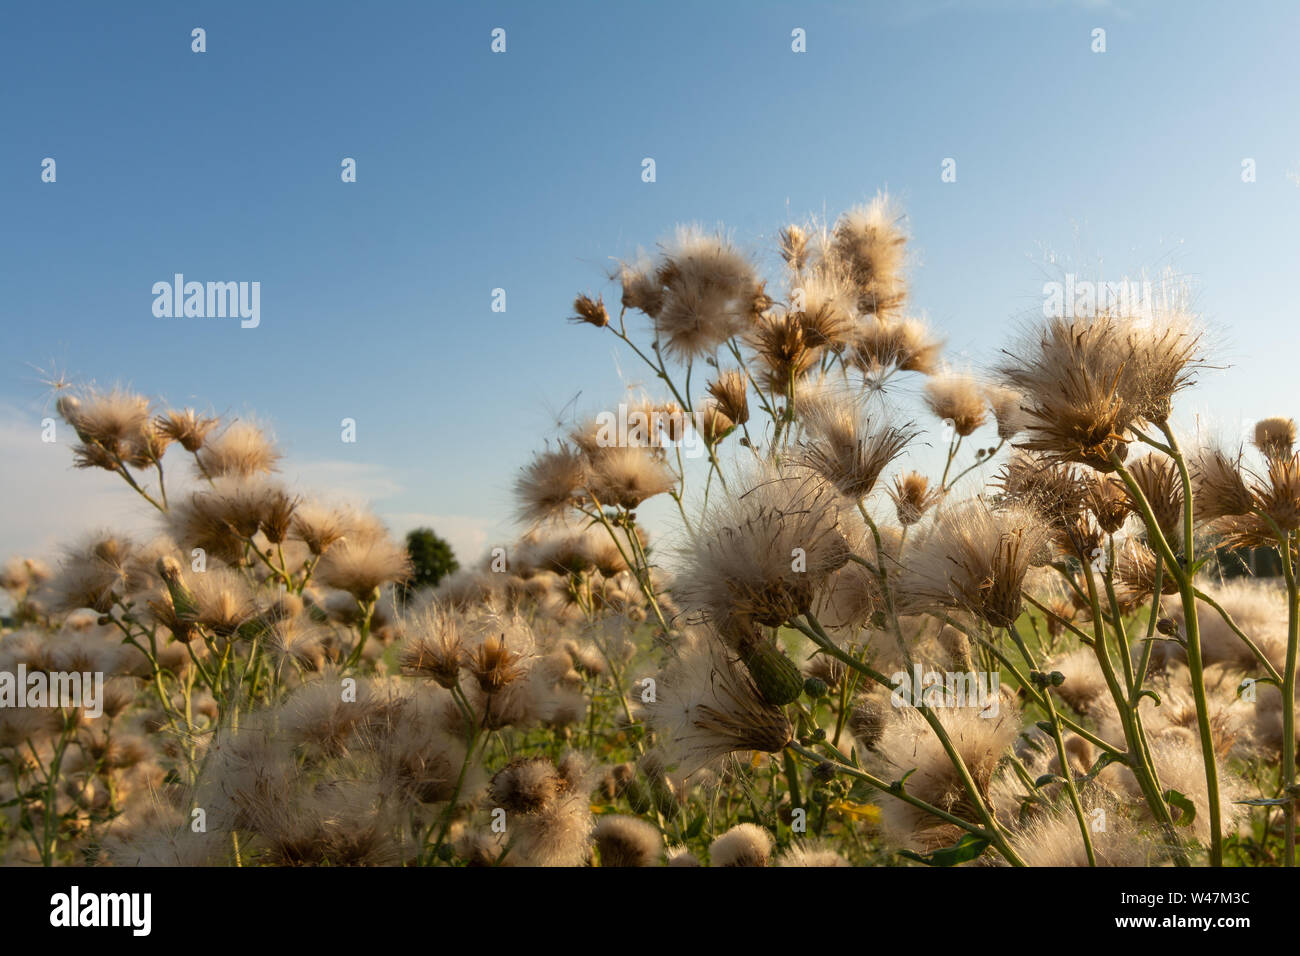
885,589
1068,625
641,574
363,631
1288,699
1054,721
896,790
1067,775
121,470
1184,572
954,445
814,631
1137,759
1148,644
1034,693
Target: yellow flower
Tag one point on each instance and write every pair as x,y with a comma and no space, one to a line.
858,811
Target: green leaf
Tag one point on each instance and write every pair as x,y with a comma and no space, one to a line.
1258,680
1105,760
1180,802
963,851
696,826
1265,802
897,785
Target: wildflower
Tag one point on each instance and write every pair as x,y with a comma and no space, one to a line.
526,785
591,311
912,497
1157,478
627,476
627,841
869,242
363,564
92,574
1279,495
435,649
1135,570
712,422
550,818
494,665
1275,437
908,746
1084,687
852,597
1258,609
223,600
793,241
22,574
1163,354
241,448
317,526
707,708
300,641
975,560
810,853
112,421
850,450
710,293
1053,839
957,399
825,307
730,390
1088,380
551,483
186,427
277,512
763,556
1005,403
146,448
1106,498
680,856
640,290
904,345
745,844
1219,488
867,721
1052,490
778,340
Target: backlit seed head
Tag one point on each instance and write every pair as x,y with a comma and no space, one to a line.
1275,437
591,311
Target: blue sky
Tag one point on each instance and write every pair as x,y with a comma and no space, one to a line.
522,171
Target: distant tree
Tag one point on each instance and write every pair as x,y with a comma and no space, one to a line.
431,558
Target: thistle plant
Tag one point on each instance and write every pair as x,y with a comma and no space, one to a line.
812,596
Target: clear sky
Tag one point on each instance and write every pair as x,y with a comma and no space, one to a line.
522,171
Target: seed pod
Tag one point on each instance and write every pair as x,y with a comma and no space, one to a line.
815,687
775,675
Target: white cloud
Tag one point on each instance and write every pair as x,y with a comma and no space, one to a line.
47,501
